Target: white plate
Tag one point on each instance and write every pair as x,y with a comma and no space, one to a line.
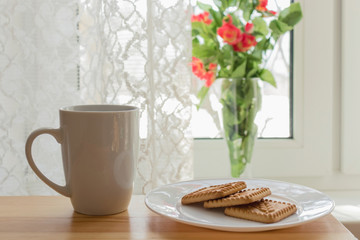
166,200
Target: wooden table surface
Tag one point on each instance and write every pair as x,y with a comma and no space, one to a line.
45,217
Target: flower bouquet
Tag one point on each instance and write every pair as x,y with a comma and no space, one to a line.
230,43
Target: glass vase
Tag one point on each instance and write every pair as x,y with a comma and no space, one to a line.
241,101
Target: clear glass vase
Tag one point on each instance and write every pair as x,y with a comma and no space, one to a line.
241,101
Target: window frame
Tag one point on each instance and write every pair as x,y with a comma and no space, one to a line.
350,127
312,156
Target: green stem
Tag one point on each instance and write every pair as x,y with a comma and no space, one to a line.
240,99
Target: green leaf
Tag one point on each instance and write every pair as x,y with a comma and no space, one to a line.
251,73
195,41
217,16
196,25
195,32
278,28
198,28
267,76
247,14
203,6
291,15
260,26
203,51
201,96
248,7
223,73
240,70
251,66
203,30
256,55
230,117
201,27
227,55
264,44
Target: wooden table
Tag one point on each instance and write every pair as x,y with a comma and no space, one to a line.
46,217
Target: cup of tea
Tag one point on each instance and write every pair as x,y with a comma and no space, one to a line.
99,145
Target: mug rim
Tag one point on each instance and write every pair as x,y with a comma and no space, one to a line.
98,108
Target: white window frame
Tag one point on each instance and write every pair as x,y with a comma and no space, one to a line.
313,156
350,32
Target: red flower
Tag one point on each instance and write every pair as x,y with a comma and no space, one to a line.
202,17
197,67
209,78
212,67
249,28
199,71
229,32
262,7
247,41
210,75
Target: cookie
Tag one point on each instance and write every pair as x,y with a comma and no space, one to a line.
240,198
265,211
213,192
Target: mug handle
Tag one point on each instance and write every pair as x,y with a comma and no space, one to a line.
56,133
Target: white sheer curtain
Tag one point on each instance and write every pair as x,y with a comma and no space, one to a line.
64,52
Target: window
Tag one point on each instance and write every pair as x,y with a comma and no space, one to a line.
275,118
312,156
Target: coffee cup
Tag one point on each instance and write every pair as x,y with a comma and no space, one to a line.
99,146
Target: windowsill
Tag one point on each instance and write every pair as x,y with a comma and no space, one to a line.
347,209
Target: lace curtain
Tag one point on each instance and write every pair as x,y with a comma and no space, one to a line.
65,52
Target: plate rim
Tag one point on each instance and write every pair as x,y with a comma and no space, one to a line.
266,227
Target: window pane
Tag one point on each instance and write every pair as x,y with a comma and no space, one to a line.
274,119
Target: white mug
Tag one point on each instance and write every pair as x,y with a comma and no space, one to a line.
99,146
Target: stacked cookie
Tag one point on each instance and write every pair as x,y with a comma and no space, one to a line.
241,202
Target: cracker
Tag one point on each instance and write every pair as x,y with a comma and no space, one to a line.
240,198
213,192
265,211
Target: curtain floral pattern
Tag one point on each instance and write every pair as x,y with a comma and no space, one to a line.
65,52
